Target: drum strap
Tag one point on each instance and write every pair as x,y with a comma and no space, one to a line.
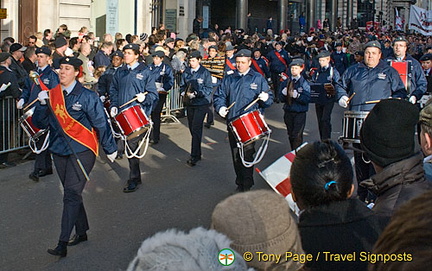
230,65
73,128
281,58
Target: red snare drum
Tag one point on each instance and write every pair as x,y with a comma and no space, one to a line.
249,127
27,125
132,121
404,70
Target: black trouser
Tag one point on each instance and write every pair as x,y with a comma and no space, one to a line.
134,162
276,82
244,175
73,181
363,171
295,123
155,116
195,115
210,112
323,113
43,159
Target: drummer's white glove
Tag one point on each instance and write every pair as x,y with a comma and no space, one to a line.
20,104
214,80
294,94
140,97
263,96
4,87
223,111
114,112
191,95
112,156
343,101
102,98
42,97
284,91
413,99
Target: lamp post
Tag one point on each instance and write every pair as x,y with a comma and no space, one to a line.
372,2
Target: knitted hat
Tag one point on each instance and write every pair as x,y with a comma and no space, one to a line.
60,42
174,250
258,221
387,134
143,36
426,114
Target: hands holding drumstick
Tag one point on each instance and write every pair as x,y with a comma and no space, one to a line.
223,111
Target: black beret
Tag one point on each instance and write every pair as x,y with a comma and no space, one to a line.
256,50
297,62
387,139
59,42
323,54
243,53
17,47
160,54
168,40
132,46
426,57
213,47
4,56
43,50
399,39
359,53
374,43
76,62
338,44
195,54
117,53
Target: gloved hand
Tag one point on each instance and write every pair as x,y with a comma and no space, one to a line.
102,98
284,91
4,87
140,97
343,101
114,112
214,80
284,76
223,111
294,94
191,95
42,97
113,155
263,96
20,104
269,80
413,99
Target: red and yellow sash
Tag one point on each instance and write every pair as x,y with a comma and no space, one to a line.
257,67
73,128
283,60
230,65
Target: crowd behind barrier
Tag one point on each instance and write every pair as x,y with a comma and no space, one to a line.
12,136
174,102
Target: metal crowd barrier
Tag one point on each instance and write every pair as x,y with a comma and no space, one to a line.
174,102
12,136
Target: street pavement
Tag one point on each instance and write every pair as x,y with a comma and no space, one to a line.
173,195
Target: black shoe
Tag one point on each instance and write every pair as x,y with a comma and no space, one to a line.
8,164
207,125
34,176
132,187
60,250
192,161
239,189
155,141
76,239
44,172
119,156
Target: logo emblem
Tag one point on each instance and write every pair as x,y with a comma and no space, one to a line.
226,257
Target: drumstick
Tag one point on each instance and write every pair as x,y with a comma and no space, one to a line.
30,104
134,99
229,107
372,102
349,99
252,103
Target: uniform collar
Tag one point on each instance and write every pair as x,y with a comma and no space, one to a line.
243,74
133,66
69,88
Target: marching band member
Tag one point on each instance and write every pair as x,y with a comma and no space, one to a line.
260,64
130,82
164,78
426,62
242,87
212,55
230,62
365,82
76,122
296,95
196,87
43,163
279,61
418,83
326,74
